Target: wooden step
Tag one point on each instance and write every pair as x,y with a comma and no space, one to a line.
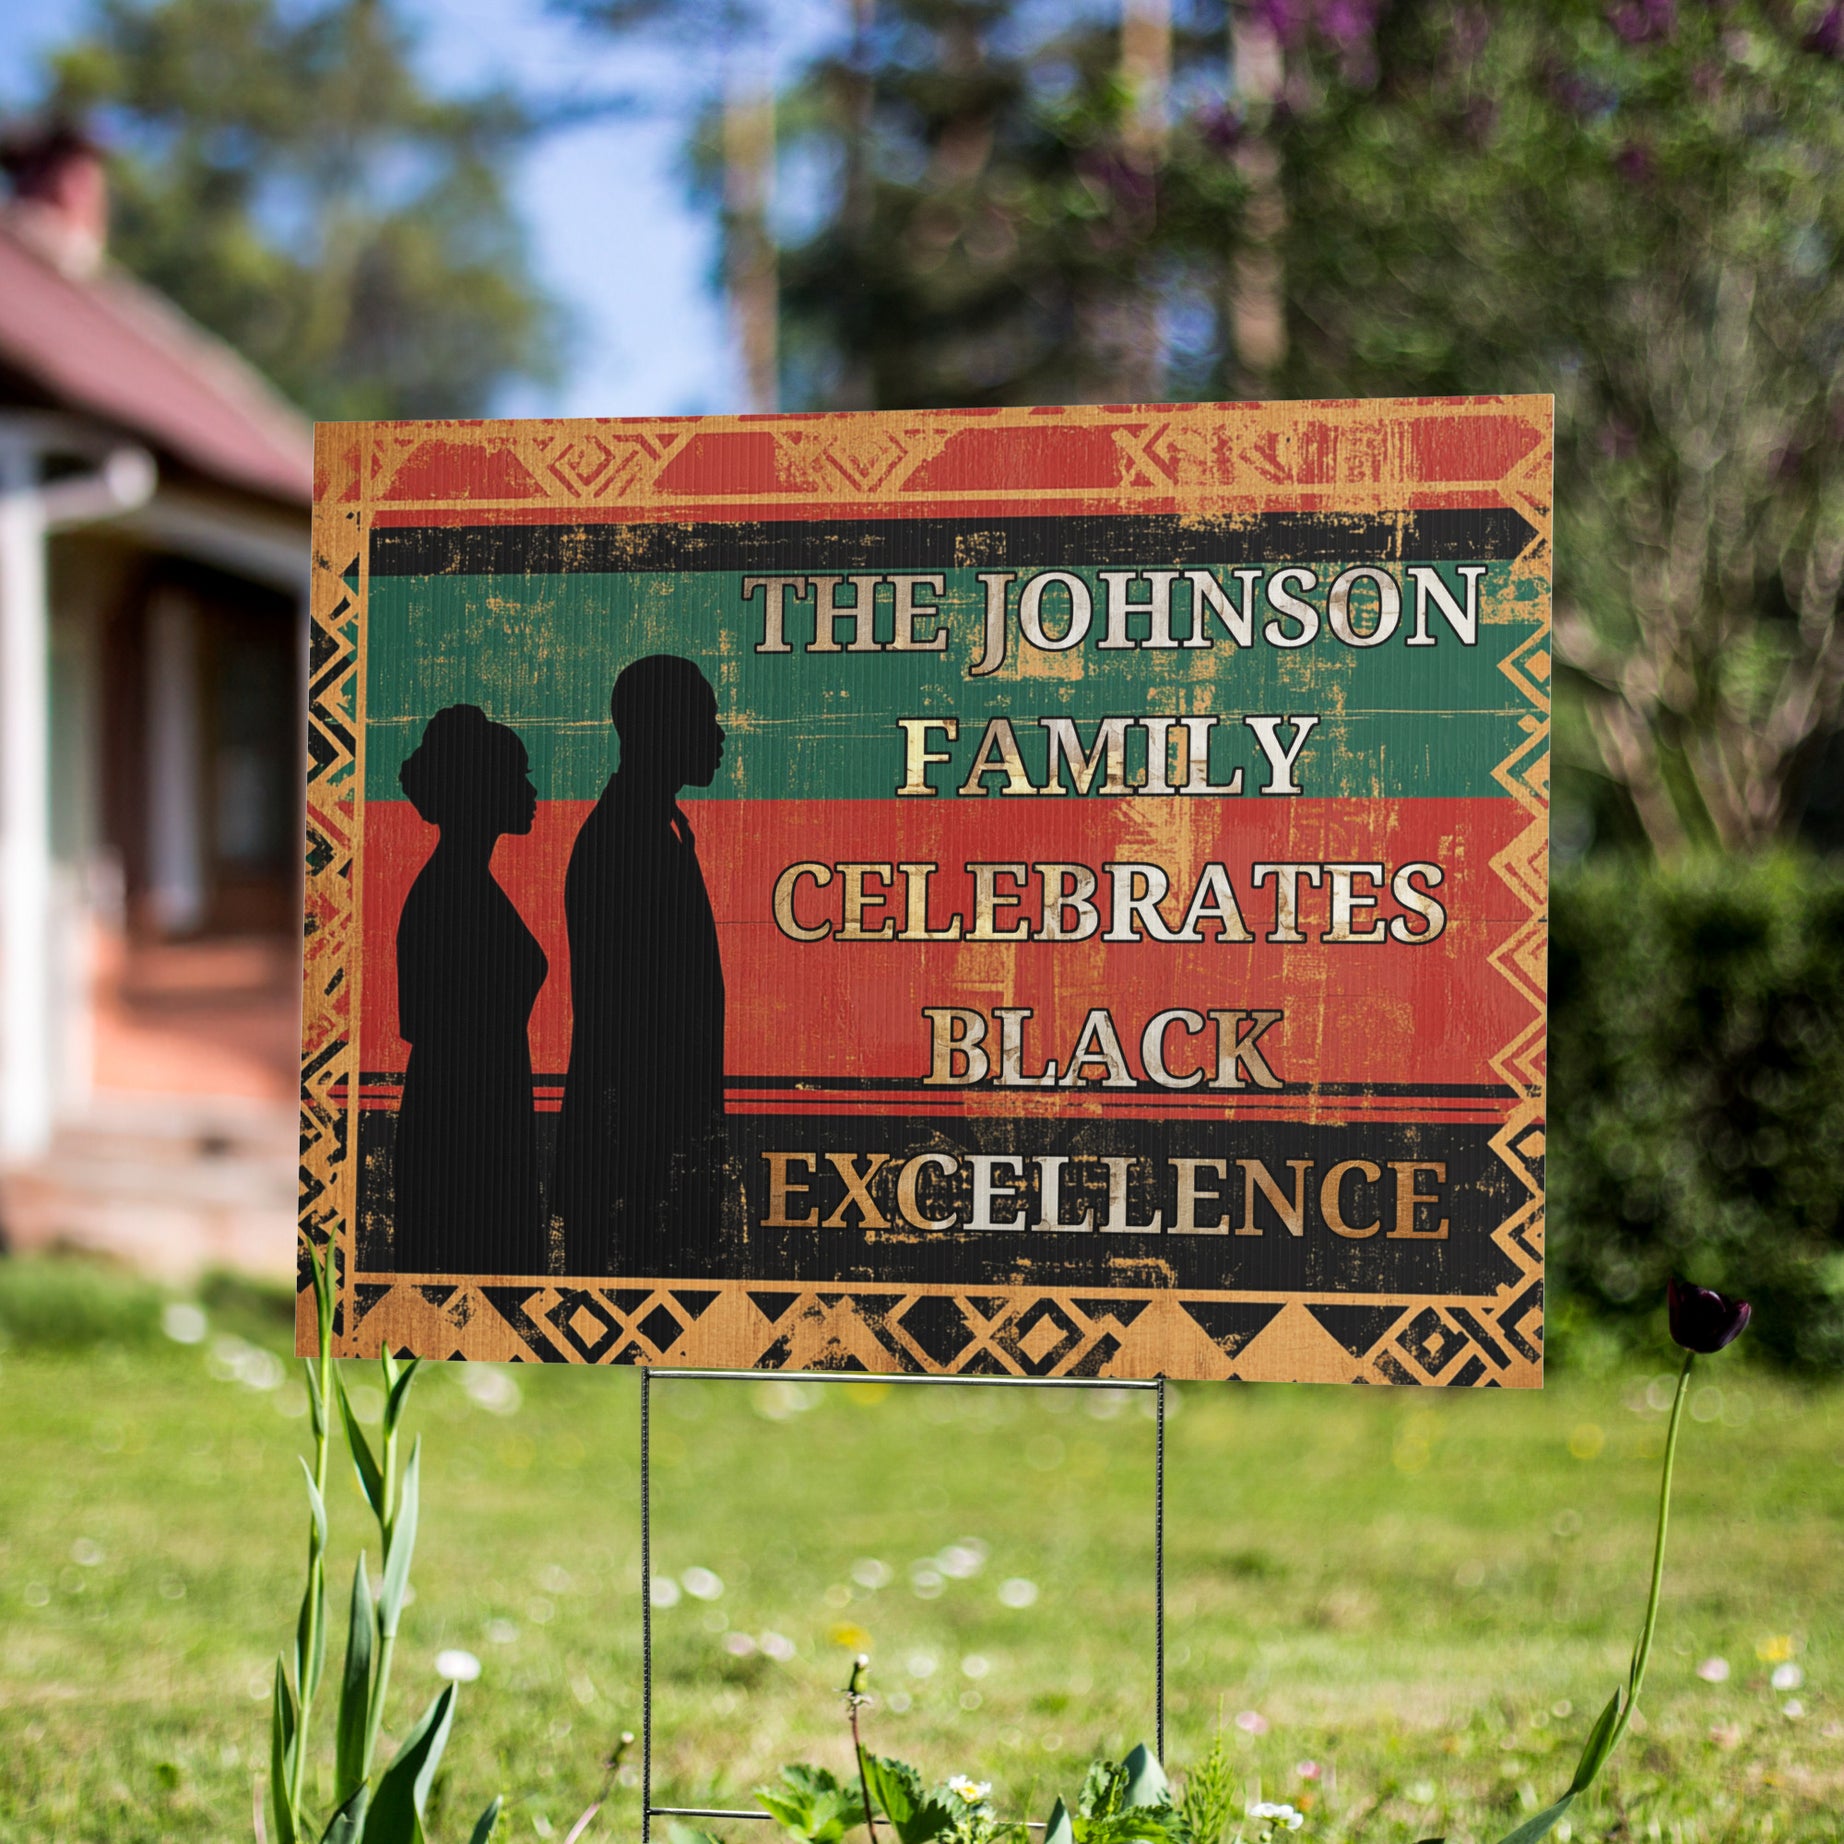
171,1189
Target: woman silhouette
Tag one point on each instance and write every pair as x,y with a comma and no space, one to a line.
468,973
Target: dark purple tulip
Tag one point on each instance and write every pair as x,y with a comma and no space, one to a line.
1639,22
1634,163
1286,19
1827,36
1220,127
1347,23
1703,1319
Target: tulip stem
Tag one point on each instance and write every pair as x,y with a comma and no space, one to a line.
854,1701
1643,1651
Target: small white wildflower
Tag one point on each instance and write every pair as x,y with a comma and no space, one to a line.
663,1591
1018,1592
702,1584
1714,1671
1252,1722
1793,1707
1786,1677
776,1646
1277,1812
457,1666
972,1791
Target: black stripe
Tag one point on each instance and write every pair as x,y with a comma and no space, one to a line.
1477,1191
974,542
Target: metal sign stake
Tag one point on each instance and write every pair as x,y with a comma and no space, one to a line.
648,1810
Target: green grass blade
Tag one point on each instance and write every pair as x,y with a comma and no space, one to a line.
320,1265
313,1399
371,1476
325,1299
316,1506
400,1394
1598,1746
281,1754
317,1665
311,1634
347,1825
484,1825
1060,1831
397,1809
349,1763
403,1543
1541,1825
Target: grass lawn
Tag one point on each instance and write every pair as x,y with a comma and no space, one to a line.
1426,1595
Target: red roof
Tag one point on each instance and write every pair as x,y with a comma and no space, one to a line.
103,344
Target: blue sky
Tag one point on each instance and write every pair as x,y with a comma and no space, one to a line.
611,235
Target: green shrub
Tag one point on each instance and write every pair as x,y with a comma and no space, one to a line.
71,1302
259,1308
1697,1070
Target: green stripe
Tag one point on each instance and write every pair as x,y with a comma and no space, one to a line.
540,653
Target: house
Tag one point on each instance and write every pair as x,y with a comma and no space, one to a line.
154,503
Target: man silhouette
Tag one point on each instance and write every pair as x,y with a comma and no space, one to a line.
638,1153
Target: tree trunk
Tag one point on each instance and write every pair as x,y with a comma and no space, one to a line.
1257,284
749,248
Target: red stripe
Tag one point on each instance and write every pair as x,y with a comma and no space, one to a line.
1076,504
832,1009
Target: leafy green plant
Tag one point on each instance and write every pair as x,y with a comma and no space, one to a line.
1125,1802
393,1809
1209,1802
917,1814
812,1804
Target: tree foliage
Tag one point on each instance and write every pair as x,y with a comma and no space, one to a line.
1638,206
1635,204
286,176
1012,220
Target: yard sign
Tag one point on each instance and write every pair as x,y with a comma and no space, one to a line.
1029,892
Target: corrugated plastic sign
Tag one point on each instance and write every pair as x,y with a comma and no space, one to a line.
1036,892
